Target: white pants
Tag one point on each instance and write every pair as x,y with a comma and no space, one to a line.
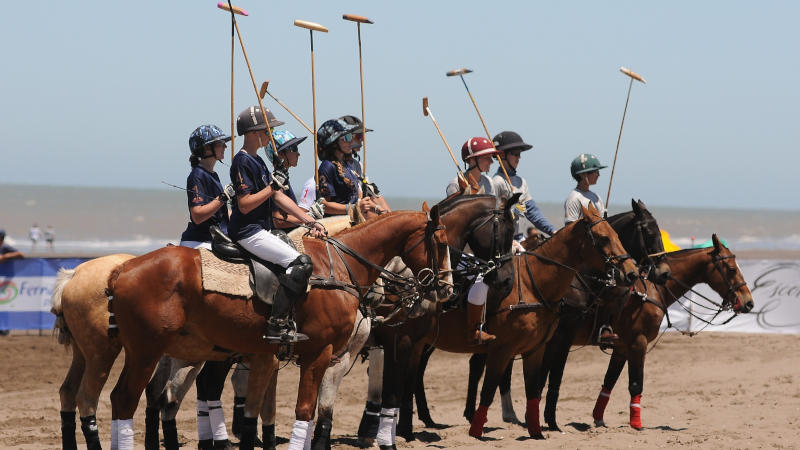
270,248
477,293
196,244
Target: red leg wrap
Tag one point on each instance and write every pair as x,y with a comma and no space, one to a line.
600,405
532,417
636,412
478,421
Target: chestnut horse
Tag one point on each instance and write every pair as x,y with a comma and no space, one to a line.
160,307
473,219
640,235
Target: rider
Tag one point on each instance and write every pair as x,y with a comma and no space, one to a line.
585,169
354,161
477,154
257,193
207,206
287,155
511,145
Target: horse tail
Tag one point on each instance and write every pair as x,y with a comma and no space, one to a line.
113,331
64,276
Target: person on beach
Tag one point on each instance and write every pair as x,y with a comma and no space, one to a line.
257,195
208,205
585,169
50,237
511,146
477,154
35,233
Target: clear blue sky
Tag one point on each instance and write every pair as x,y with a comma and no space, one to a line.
106,93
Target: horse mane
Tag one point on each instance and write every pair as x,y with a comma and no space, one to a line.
380,218
451,202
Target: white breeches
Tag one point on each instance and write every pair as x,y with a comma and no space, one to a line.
477,293
270,248
196,244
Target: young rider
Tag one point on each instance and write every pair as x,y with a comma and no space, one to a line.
257,194
354,161
511,145
585,170
477,154
287,155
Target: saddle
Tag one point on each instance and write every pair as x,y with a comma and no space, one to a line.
263,274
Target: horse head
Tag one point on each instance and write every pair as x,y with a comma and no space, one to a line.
606,251
645,244
726,279
431,260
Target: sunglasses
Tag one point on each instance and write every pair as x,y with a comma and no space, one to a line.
292,149
515,153
349,136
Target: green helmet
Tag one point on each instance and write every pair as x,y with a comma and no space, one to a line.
585,162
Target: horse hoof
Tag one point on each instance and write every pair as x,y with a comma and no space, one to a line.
554,427
365,442
538,436
407,435
599,423
511,420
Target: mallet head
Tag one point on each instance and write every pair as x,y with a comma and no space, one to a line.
236,9
263,91
632,74
425,106
309,25
461,71
355,18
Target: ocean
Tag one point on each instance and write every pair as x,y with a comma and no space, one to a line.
98,221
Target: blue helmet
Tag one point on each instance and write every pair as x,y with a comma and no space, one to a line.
283,139
204,135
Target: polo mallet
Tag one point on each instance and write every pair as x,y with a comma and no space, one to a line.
426,111
264,91
359,20
634,76
235,10
461,72
312,27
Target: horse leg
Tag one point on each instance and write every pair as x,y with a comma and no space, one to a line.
312,369
210,383
406,431
555,359
268,439
636,379
125,396
68,396
239,383
370,418
94,378
534,383
615,365
476,365
333,378
496,362
181,378
423,412
153,392
507,404
262,369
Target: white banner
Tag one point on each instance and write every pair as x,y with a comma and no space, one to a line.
776,293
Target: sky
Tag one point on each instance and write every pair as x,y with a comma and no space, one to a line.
106,93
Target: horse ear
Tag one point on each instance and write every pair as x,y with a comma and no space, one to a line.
635,206
513,200
434,215
717,244
641,204
590,211
425,207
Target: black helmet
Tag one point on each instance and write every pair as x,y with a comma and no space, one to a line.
354,124
328,133
509,140
251,119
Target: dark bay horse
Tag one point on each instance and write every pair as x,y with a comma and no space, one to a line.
640,235
640,319
161,308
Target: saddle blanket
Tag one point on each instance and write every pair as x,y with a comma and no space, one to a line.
223,277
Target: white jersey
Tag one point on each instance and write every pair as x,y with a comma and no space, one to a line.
308,194
484,182
578,198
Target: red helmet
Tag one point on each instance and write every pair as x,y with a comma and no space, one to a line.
477,146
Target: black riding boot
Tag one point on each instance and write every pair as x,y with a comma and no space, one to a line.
293,284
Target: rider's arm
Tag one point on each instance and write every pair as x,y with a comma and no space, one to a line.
287,204
249,202
534,214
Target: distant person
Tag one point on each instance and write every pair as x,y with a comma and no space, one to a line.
8,252
35,234
50,237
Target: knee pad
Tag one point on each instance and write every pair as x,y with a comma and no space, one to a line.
297,274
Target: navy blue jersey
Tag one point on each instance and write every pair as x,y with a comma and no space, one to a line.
333,186
249,175
5,248
202,187
354,166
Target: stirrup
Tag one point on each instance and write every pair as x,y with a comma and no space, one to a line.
606,338
287,334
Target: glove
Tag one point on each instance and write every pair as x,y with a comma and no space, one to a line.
317,209
230,191
370,189
279,180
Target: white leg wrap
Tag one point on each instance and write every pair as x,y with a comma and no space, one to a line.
477,293
125,434
300,431
216,418
114,437
309,435
203,422
386,427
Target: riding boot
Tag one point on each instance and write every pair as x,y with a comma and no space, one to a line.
68,441
293,284
474,322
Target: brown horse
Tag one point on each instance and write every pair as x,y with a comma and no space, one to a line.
161,308
641,317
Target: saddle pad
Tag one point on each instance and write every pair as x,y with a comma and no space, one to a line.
224,277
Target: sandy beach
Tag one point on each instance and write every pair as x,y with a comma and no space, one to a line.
714,390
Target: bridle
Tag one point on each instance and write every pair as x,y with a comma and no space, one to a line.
430,278
730,299
612,262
